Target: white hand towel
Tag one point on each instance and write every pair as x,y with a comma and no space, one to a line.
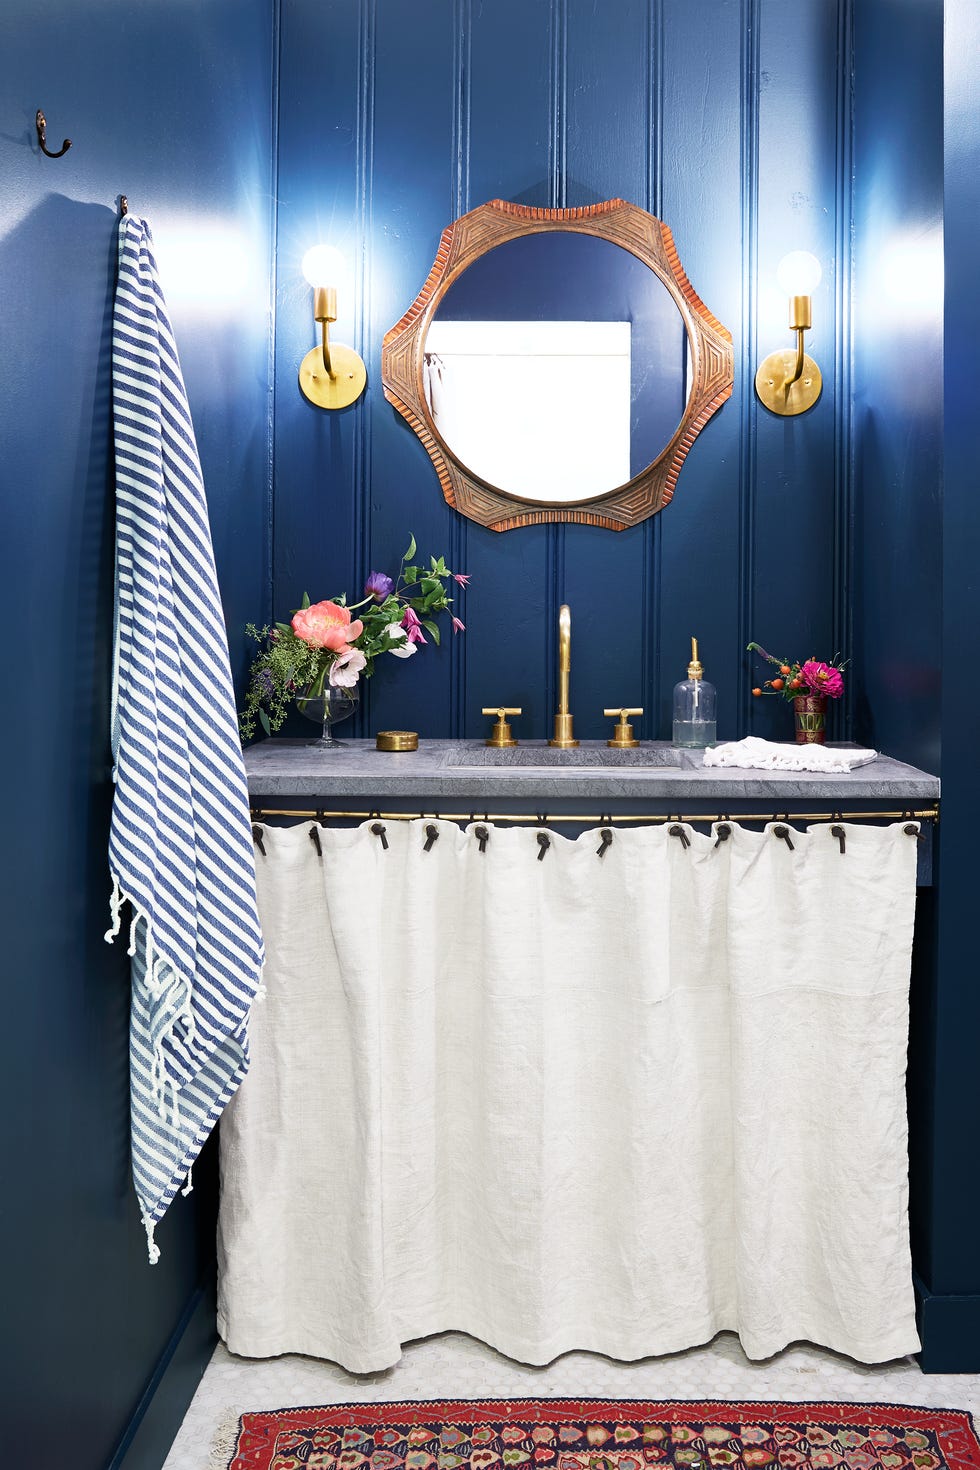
753,754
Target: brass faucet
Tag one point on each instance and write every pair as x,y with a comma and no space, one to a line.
563,736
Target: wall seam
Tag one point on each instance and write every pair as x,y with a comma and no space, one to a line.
558,149
269,572
651,589
458,534
844,462
748,423
364,156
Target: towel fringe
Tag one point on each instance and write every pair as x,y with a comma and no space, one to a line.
161,980
115,904
152,1249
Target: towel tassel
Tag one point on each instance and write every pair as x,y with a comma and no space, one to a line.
115,905
152,1249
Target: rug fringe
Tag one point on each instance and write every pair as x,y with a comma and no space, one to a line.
225,1442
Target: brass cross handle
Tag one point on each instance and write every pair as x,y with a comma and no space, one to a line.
623,734
500,734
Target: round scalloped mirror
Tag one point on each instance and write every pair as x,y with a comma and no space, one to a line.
557,365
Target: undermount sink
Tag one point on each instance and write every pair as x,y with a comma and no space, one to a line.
540,753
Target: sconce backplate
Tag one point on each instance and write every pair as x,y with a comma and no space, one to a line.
775,373
345,387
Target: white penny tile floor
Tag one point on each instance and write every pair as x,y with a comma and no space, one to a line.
453,1366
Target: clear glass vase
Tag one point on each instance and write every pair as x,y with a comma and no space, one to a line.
328,709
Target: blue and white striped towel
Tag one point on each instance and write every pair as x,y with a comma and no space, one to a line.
180,848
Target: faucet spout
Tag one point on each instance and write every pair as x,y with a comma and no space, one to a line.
563,736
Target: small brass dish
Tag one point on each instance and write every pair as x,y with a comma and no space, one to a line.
397,740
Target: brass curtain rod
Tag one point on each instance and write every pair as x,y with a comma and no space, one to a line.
930,814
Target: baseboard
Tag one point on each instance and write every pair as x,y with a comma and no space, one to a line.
949,1330
161,1410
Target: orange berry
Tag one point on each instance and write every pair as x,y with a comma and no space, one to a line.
757,691
785,669
777,683
795,683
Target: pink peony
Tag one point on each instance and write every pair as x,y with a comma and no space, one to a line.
822,679
326,625
346,667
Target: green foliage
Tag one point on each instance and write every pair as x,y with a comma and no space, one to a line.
287,668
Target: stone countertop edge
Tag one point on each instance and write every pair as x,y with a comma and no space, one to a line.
290,768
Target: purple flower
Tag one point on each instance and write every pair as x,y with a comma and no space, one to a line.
461,577
265,684
379,585
458,627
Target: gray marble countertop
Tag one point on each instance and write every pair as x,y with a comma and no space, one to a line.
437,772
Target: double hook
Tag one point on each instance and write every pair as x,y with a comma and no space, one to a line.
41,123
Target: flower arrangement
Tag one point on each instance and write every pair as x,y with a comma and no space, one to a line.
324,645
809,678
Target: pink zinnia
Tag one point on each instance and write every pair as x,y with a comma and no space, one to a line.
822,679
326,625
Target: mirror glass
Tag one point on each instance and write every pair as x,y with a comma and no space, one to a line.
555,367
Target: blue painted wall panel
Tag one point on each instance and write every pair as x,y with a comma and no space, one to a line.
897,442
701,103
549,103
954,1262
169,104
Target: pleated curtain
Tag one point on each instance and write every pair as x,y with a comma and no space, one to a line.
562,1101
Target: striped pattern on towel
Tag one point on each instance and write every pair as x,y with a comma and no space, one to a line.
180,847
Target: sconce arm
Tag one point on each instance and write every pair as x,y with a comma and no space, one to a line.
800,357
325,348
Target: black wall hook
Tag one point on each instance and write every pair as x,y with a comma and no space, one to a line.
41,123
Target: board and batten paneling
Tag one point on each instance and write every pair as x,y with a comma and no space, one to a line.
727,118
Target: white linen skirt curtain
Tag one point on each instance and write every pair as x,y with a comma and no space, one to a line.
565,1101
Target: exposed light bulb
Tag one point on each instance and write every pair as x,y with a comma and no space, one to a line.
323,265
798,273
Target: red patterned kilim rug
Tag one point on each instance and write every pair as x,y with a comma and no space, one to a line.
603,1434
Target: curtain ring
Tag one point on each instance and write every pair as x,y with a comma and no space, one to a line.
840,834
378,828
676,831
257,835
544,842
911,831
315,839
431,837
482,837
606,843
722,833
783,833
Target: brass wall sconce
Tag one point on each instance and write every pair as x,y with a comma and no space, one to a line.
331,375
789,382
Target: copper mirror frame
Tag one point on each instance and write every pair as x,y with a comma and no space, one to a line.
709,343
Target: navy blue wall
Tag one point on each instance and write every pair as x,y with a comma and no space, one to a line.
727,118
950,1261
897,422
171,104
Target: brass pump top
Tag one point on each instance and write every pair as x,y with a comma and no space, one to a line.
695,669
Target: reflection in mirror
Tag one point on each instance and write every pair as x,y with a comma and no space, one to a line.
534,398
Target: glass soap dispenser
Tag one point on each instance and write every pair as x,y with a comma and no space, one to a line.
695,703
